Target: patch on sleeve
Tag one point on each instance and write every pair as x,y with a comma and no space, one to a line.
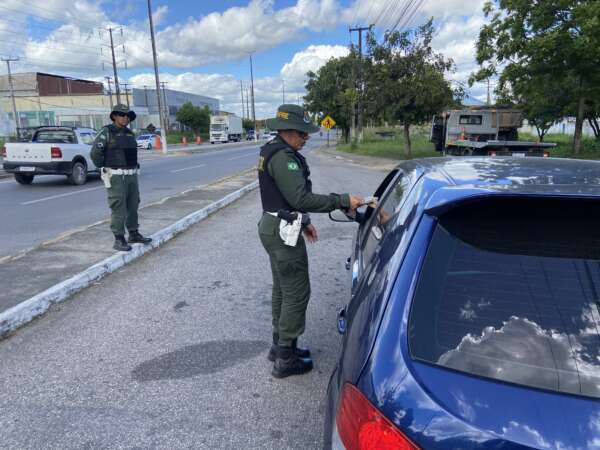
292,166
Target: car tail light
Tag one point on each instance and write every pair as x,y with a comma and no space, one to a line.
3,153
55,152
546,154
362,427
492,153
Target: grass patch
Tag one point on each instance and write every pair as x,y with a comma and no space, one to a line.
391,148
175,137
564,149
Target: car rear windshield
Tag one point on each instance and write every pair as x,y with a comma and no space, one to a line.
510,290
55,137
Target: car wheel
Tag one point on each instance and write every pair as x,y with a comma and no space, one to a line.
149,147
78,174
23,178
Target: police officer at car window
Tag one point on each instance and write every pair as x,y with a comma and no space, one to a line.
114,152
287,198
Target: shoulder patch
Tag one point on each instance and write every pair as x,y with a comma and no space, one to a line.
293,166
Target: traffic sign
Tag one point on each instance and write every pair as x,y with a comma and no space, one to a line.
328,122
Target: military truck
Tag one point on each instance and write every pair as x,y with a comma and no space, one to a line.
483,131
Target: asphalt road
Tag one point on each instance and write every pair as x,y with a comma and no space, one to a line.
170,352
50,206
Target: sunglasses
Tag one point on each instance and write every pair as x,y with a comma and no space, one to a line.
303,135
120,114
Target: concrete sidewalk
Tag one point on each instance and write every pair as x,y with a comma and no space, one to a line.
54,270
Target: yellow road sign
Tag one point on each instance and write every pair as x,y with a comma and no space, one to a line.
328,122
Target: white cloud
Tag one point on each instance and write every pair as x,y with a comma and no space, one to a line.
310,59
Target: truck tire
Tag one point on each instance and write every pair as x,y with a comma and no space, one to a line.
78,174
23,178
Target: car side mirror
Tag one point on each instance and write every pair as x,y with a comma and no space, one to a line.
339,216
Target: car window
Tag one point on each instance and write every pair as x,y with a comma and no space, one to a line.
380,222
87,138
470,120
511,291
55,136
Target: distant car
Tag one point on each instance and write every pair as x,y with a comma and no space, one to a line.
146,141
53,150
250,135
272,134
474,315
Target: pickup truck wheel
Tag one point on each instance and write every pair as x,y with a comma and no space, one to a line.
23,178
78,174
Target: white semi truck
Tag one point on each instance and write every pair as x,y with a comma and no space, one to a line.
225,128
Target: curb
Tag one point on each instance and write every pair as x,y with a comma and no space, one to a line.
37,305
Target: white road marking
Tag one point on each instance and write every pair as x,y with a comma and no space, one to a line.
61,195
243,156
188,168
6,182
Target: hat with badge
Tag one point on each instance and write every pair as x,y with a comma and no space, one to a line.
122,110
292,117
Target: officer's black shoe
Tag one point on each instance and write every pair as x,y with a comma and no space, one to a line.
298,351
121,244
288,363
135,237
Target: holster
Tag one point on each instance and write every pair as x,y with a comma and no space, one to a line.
105,174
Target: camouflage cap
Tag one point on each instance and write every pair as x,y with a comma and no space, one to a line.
292,117
123,109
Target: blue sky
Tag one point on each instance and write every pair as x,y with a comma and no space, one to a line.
203,46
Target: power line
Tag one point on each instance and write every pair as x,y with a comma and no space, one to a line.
60,18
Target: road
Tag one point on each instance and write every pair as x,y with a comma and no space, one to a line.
170,352
50,206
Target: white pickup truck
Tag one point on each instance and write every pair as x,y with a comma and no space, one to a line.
52,151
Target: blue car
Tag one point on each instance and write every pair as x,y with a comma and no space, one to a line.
474,318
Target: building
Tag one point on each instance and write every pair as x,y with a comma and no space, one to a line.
172,101
46,99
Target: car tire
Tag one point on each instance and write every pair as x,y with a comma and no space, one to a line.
149,147
78,174
23,178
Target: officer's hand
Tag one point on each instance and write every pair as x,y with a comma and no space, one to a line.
310,233
355,202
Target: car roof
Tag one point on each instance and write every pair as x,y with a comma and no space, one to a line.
450,181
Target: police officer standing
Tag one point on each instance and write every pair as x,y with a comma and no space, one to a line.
114,152
286,194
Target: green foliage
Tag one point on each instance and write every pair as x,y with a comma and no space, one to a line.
247,124
548,55
198,119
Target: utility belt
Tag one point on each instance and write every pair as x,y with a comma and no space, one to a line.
290,225
107,172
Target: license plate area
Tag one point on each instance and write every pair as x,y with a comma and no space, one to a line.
26,169
518,154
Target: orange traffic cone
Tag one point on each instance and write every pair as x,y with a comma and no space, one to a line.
198,140
184,140
157,143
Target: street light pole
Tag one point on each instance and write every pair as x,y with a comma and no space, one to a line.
163,132
12,94
252,93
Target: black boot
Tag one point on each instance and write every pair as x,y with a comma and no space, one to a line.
288,363
300,352
121,244
136,238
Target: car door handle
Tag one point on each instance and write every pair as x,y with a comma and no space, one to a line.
341,321
348,263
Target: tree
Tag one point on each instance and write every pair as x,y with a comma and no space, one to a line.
407,78
198,119
248,124
330,91
559,39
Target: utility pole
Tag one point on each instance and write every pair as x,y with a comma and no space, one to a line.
247,103
252,92
166,106
489,99
126,93
283,91
108,81
360,80
242,90
114,63
160,114
12,93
